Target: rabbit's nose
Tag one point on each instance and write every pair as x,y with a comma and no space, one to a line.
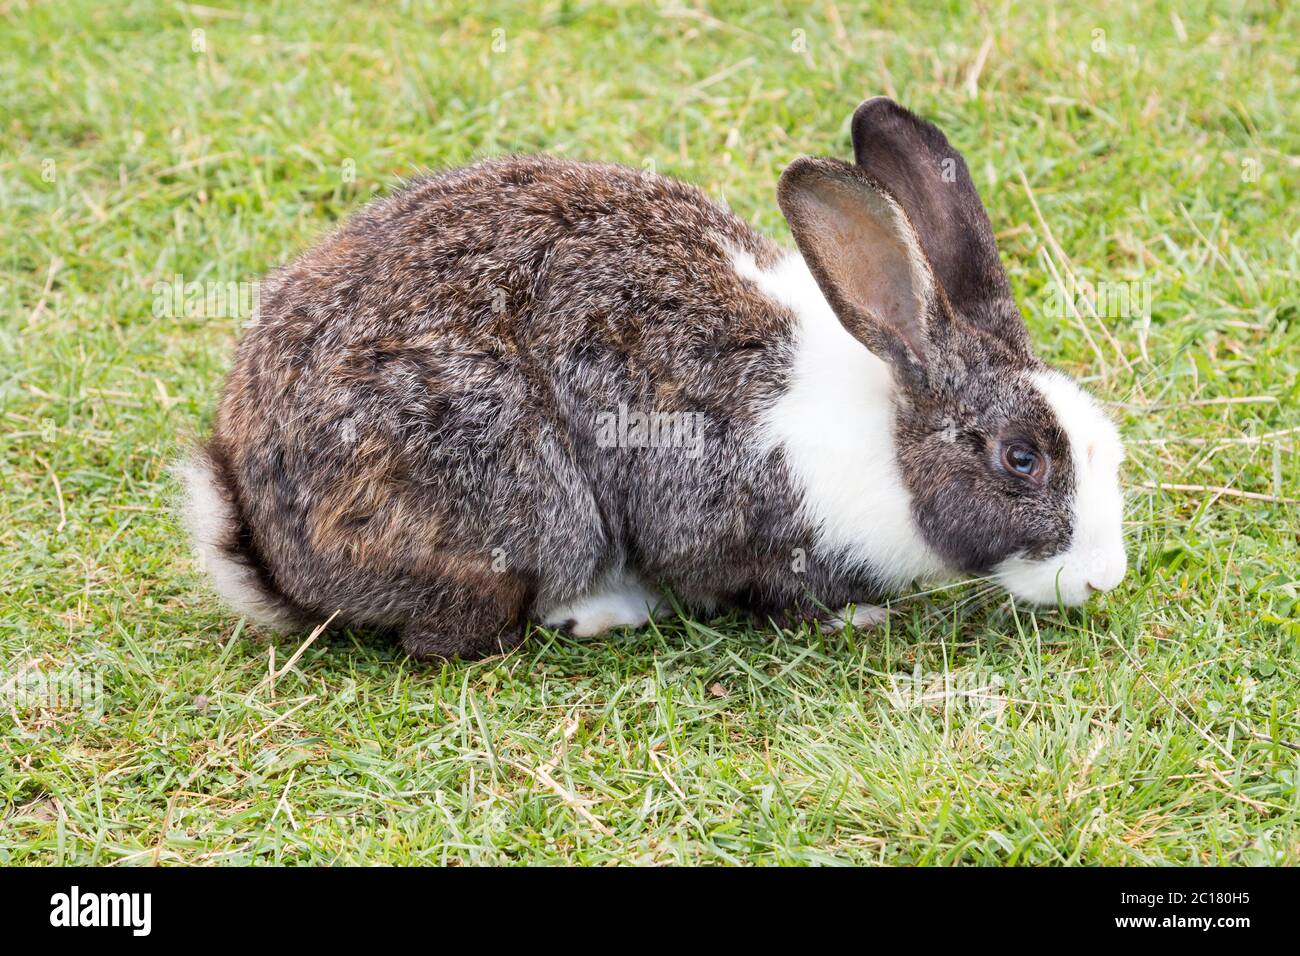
1105,570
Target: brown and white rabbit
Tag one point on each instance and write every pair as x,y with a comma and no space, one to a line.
427,427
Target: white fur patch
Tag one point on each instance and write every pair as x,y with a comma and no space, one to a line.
1095,559
619,602
209,518
835,425
861,616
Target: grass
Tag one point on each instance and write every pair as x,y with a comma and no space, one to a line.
1163,149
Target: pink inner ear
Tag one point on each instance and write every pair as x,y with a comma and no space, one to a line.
869,254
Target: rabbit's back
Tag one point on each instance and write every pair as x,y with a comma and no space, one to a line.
422,398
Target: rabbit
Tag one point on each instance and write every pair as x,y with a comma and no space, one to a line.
542,391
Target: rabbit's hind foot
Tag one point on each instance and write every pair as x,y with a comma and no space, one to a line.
464,629
622,602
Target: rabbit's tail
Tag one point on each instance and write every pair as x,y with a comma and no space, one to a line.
222,539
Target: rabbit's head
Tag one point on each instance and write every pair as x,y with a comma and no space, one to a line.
1012,469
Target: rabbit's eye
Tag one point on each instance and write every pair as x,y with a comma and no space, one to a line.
1023,461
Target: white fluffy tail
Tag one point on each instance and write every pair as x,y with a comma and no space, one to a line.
210,516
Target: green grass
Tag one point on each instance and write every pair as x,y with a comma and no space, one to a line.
1131,732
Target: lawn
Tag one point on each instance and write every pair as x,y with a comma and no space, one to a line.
1152,154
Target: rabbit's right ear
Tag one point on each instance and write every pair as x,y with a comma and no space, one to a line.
914,161
866,257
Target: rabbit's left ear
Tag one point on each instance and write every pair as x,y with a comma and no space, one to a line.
864,254
913,160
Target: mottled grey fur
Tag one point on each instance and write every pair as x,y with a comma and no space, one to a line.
408,434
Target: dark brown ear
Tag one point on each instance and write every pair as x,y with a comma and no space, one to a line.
864,254
914,162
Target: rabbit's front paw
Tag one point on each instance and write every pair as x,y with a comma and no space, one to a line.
861,616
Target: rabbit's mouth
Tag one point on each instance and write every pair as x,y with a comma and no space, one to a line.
1069,579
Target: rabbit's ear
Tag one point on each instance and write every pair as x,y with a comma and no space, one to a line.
865,256
913,160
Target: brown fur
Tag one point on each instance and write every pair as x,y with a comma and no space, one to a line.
409,432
